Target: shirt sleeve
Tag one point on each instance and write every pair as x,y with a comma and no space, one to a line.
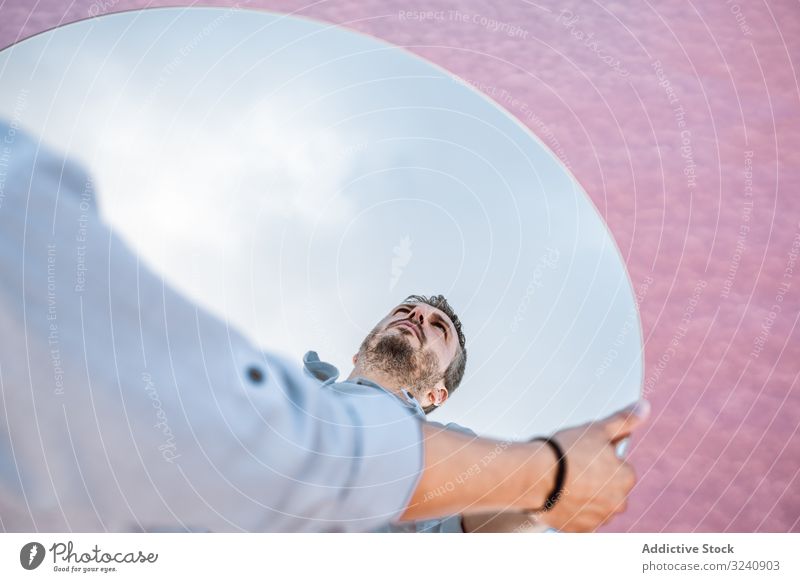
130,408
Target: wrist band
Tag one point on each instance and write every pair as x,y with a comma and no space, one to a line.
561,474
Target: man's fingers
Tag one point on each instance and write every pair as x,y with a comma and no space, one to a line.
622,423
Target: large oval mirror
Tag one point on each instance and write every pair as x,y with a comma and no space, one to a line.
300,179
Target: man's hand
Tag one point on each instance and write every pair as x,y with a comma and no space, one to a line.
598,482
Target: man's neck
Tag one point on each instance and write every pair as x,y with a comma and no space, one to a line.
387,381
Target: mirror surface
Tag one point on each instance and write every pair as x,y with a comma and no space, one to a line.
300,179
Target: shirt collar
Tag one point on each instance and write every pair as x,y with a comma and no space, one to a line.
325,372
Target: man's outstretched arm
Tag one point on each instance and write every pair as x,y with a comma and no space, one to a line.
469,475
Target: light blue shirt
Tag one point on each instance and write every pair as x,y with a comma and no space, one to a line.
126,407
327,374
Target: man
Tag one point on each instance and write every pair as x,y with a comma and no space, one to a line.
128,408
418,353
422,377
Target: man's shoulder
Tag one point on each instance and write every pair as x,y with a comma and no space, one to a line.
455,427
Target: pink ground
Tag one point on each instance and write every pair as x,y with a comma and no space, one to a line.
722,452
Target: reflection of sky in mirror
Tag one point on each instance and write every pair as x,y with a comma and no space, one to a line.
300,180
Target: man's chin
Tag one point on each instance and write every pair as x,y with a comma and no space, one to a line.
394,342
397,350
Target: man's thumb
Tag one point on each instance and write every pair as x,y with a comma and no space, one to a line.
623,422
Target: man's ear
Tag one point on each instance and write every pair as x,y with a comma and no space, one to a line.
355,358
439,394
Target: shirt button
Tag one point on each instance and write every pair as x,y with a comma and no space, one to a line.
255,374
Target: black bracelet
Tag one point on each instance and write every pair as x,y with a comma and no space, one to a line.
561,474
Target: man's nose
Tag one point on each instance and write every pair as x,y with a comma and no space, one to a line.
417,314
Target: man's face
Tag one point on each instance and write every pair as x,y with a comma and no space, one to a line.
414,343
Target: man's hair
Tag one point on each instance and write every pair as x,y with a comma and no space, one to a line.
455,371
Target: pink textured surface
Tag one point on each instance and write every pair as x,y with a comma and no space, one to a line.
722,452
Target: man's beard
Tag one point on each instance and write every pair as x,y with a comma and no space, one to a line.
393,355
